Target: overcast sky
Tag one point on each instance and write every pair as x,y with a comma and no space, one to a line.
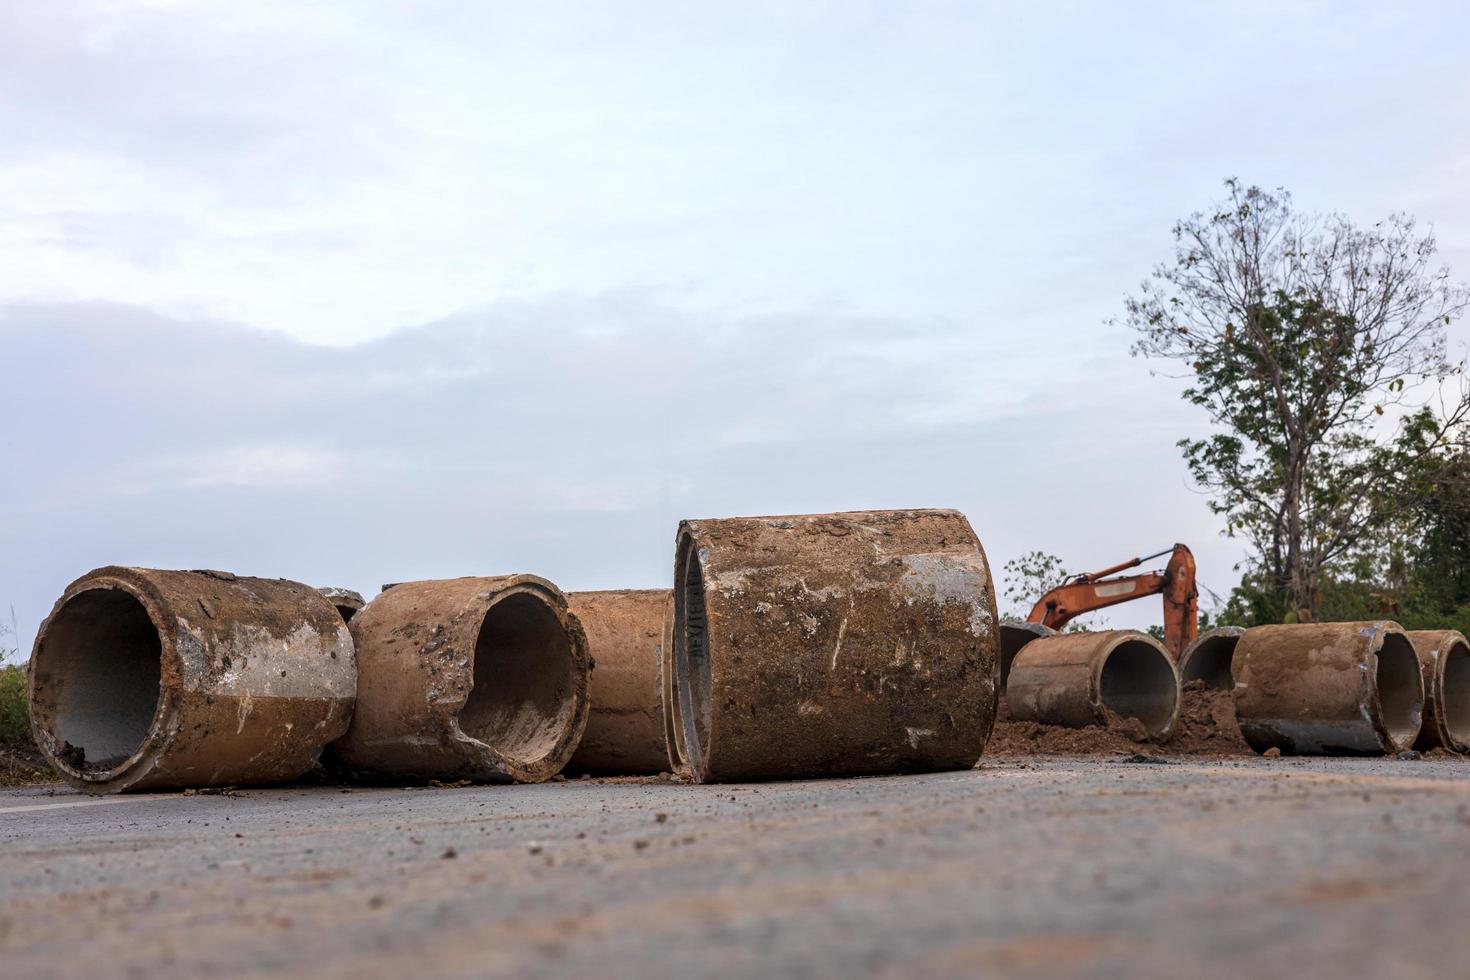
359,293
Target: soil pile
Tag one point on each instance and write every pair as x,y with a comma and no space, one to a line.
1207,724
1122,736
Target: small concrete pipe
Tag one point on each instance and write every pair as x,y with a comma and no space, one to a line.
1328,688
1444,659
144,679
626,635
348,602
1013,636
1079,679
470,678
832,644
1209,658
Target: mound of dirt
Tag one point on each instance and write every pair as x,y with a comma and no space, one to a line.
1207,724
1122,736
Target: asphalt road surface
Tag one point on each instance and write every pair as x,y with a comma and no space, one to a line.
1071,867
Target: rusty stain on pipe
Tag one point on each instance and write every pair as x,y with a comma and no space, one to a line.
1014,636
1328,688
147,679
1209,658
469,678
626,632
1076,679
348,602
1444,657
832,644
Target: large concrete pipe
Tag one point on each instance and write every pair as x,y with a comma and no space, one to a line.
1209,658
626,635
1080,679
1014,636
1328,688
146,679
470,678
833,644
1444,660
348,602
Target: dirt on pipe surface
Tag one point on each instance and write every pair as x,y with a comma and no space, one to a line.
1444,659
1328,688
627,630
148,679
1060,867
832,644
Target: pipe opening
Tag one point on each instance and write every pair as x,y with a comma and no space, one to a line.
523,694
97,674
691,658
1454,694
1210,661
1400,688
1138,682
673,724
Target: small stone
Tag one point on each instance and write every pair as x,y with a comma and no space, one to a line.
661,818
449,852
1272,753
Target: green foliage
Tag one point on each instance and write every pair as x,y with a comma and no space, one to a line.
1030,577
14,723
1027,579
1297,334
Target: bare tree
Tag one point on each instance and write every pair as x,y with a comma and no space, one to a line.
1312,343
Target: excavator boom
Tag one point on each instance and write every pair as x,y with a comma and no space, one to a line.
1090,592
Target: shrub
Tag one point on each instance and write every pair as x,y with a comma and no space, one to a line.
14,723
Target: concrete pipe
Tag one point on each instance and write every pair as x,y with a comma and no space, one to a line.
1079,679
348,603
673,724
145,679
626,634
832,644
1013,636
469,678
1328,688
1209,658
1444,660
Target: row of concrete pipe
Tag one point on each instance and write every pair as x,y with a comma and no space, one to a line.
817,645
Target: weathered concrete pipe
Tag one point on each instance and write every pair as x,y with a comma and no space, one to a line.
348,602
1444,660
626,634
832,644
469,678
1328,688
146,679
1080,679
1014,636
1209,658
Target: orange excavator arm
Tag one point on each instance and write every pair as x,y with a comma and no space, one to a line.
1092,591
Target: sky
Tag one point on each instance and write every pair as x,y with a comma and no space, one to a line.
358,293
